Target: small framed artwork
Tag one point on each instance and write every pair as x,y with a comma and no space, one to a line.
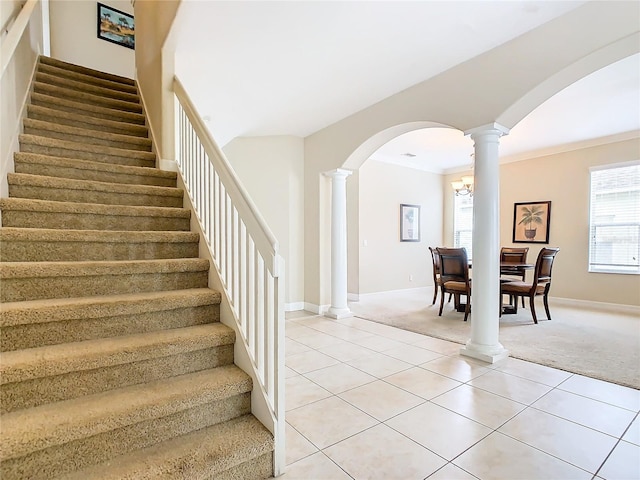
116,26
409,223
531,222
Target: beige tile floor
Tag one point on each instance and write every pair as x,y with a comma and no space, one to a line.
370,401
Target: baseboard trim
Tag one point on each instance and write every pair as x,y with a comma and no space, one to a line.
294,306
318,309
572,302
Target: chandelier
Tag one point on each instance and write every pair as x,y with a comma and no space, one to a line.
464,186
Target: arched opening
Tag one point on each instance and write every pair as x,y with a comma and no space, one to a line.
407,169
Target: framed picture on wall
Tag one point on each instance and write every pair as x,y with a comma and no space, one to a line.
409,223
531,222
116,26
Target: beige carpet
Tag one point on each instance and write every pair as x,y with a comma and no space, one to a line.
602,344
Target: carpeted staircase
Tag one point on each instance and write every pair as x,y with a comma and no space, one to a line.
114,363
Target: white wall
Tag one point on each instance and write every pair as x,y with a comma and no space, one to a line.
272,170
74,37
386,263
564,179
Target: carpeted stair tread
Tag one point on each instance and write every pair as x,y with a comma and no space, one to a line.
35,323
64,132
46,234
78,269
64,104
37,164
30,430
205,454
34,280
42,244
85,121
59,309
93,208
82,86
30,363
28,213
86,97
83,191
85,70
83,151
83,77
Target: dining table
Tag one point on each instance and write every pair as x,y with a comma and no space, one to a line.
517,267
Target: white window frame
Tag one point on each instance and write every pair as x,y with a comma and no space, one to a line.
634,223
464,227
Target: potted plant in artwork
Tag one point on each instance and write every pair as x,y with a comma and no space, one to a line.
531,215
409,218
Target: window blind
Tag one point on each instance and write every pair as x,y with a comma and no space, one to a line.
614,245
463,223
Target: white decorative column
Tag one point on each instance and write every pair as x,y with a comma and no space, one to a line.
339,307
485,286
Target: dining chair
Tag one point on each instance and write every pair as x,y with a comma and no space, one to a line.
454,277
513,255
539,286
437,283
435,260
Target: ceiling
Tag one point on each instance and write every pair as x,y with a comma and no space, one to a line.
293,68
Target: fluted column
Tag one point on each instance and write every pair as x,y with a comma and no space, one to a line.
485,289
339,307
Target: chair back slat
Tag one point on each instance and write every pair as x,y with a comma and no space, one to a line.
454,265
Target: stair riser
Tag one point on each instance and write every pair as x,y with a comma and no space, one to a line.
63,171
82,86
82,97
86,109
89,221
33,334
88,122
88,79
87,139
14,396
50,462
88,196
21,289
63,251
82,155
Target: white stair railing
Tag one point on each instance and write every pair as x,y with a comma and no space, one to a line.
244,252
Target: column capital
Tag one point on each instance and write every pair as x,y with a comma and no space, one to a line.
489,128
338,172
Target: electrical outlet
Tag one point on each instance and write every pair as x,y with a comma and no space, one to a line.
411,278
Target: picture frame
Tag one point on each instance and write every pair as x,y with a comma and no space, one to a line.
531,222
116,26
409,223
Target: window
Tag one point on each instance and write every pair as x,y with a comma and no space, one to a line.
463,222
615,219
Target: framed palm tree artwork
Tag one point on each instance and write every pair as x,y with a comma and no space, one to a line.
531,222
116,26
